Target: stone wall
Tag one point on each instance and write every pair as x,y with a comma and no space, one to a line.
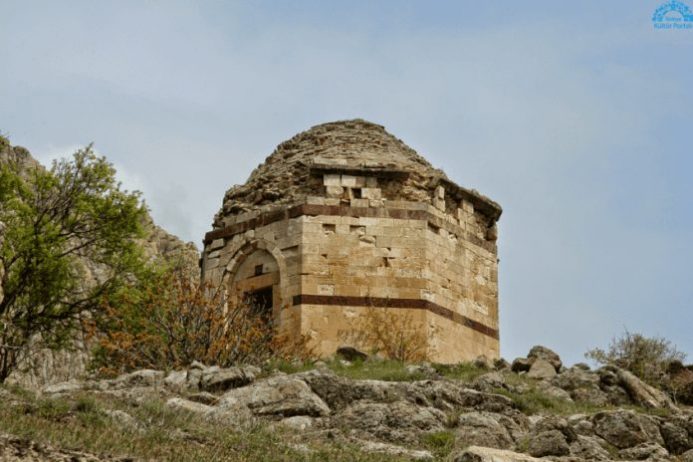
345,217
336,256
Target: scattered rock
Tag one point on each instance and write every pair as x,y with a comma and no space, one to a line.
281,396
218,380
589,448
541,352
548,443
644,451
541,370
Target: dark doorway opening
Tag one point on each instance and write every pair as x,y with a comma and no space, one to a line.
260,302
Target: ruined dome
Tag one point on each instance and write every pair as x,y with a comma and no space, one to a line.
285,177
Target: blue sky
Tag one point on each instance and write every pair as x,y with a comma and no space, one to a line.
575,116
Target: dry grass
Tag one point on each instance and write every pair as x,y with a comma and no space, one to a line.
82,423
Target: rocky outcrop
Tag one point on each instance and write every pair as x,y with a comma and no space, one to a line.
395,417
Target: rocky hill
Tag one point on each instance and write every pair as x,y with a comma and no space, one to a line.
340,410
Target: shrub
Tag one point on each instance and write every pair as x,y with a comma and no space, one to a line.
174,320
397,336
646,357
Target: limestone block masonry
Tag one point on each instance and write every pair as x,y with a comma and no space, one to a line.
345,218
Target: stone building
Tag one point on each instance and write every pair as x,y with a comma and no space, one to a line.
344,218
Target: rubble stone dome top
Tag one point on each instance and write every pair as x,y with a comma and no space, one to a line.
352,145
355,143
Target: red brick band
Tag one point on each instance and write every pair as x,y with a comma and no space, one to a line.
345,211
412,303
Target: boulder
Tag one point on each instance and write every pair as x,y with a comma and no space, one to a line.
176,381
400,421
644,451
676,438
541,370
351,354
548,443
483,429
576,377
642,393
218,380
625,429
589,448
180,404
276,396
541,352
481,454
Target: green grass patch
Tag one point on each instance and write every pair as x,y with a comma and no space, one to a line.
441,444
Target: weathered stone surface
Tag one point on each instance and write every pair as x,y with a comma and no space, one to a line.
548,443
676,438
644,451
282,396
483,429
188,406
542,370
625,429
589,448
481,454
400,421
222,379
642,393
541,352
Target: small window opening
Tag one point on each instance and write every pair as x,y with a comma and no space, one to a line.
260,302
356,193
259,270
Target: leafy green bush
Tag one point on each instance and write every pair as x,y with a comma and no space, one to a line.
59,226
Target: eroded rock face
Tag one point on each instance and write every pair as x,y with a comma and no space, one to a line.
625,429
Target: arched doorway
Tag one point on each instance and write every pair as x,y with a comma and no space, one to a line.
256,281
